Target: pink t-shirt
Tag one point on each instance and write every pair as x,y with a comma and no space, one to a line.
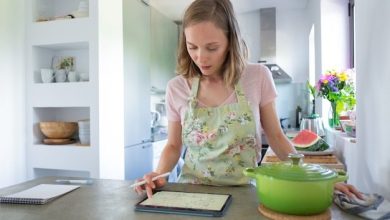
256,82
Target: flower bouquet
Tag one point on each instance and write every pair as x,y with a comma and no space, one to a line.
339,90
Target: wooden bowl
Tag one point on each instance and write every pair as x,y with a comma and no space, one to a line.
58,129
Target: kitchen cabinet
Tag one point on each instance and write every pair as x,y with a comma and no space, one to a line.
164,42
136,33
84,39
138,160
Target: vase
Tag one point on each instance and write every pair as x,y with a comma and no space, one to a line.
334,118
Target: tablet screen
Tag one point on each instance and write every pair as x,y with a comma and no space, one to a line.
185,203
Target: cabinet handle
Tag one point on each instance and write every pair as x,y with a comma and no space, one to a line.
147,140
146,146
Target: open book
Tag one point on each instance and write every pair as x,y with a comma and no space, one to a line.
39,194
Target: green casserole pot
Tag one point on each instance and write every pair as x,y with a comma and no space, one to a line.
294,187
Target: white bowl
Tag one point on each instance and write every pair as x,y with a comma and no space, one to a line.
84,139
84,124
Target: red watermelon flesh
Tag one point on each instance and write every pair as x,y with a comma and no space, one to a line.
305,138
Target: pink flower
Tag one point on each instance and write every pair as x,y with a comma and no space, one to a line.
211,136
234,150
232,115
198,138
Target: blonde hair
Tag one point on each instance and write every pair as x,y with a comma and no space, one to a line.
221,13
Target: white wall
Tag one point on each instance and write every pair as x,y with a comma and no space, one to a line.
292,37
334,40
111,90
292,34
335,34
292,54
373,101
314,19
12,92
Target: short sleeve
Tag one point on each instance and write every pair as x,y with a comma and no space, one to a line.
268,90
173,113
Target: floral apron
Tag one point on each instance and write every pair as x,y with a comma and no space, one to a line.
220,141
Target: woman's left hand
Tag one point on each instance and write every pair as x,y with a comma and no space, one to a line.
349,190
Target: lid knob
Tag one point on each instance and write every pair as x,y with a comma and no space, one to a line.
295,157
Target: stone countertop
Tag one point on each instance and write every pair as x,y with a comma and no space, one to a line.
113,199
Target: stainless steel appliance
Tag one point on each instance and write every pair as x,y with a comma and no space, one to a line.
268,45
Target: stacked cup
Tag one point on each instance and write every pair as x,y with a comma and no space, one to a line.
84,132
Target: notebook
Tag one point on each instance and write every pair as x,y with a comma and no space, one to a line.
39,194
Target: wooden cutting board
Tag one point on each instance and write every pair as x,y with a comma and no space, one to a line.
307,159
330,161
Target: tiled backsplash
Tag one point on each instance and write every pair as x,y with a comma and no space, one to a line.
290,95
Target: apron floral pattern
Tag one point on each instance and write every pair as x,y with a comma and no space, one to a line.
220,141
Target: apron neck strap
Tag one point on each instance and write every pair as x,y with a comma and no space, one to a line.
239,93
195,87
237,88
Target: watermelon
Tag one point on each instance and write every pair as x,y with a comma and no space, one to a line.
307,140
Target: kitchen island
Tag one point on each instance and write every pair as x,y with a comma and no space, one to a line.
113,199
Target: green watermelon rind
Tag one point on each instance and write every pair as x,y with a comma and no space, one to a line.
320,145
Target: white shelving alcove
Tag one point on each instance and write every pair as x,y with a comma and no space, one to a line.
53,10
49,57
97,95
67,114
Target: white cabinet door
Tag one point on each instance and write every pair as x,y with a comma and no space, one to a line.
136,30
138,160
164,41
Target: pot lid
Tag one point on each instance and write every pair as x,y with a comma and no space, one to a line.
296,170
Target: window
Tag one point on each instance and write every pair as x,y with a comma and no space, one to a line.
351,14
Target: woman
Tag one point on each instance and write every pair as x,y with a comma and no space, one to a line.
218,104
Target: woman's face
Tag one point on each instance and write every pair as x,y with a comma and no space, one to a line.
207,45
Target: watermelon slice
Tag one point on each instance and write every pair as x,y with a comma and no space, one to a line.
307,140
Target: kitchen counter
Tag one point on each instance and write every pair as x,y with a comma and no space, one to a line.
113,199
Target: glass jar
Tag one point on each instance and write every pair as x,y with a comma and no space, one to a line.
313,123
333,116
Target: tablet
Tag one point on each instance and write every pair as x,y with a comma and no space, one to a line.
187,203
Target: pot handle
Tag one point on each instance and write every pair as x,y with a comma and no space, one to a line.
341,177
250,172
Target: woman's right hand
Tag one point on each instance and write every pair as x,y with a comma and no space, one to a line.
150,185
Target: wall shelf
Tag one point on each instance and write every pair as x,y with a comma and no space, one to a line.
47,10
62,94
69,114
41,172
63,157
50,39
49,56
64,31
